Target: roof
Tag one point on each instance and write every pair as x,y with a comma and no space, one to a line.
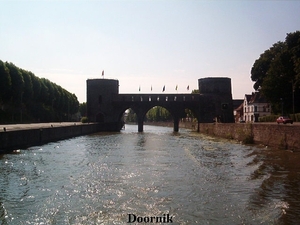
237,102
255,97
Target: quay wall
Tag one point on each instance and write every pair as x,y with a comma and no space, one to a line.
16,139
274,135
278,136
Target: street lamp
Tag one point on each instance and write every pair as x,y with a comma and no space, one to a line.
293,89
281,106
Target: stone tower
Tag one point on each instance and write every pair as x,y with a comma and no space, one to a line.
100,94
217,99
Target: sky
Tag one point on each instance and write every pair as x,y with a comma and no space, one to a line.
143,43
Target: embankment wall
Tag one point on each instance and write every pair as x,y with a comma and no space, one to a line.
279,136
30,137
273,135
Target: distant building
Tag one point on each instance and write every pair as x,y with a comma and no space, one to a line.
238,111
254,106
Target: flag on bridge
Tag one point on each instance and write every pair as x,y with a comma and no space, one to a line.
176,87
140,88
188,87
164,88
151,87
103,73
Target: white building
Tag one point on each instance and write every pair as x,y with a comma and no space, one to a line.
255,106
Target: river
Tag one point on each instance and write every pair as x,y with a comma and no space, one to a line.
181,178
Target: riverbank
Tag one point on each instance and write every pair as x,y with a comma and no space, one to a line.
25,135
279,136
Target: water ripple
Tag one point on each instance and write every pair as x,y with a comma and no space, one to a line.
101,178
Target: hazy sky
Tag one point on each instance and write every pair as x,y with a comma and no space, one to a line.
143,43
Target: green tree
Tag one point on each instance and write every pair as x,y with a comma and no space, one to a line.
5,83
36,87
39,99
83,109
131,116
28,87
16,91
276,74
17,81
261,66
158,113
293,45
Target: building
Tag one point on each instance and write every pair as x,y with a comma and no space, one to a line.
254,106
238,111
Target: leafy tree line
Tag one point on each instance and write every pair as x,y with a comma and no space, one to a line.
276,74
25,97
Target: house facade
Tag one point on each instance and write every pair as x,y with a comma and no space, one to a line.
238,110
255,106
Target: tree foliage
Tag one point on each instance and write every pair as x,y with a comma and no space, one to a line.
25,97
276,73
131,116
83,109
155,114
158,113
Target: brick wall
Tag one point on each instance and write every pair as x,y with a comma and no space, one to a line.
274,135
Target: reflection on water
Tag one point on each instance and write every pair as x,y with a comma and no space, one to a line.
101,178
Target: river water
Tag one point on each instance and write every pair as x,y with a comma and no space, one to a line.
184,178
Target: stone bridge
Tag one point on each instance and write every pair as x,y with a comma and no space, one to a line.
106,106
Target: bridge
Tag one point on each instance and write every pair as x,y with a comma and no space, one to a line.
106,106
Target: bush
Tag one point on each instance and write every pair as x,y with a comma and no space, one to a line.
84,120
297,117
249,139
270,118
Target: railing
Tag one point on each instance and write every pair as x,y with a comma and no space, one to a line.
156,97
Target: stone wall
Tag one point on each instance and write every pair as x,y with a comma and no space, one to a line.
273,135
31,137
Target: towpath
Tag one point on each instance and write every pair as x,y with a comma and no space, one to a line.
11,127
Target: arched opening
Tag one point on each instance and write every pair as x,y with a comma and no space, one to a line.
158,114
129,116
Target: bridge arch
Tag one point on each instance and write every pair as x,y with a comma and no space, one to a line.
177,113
